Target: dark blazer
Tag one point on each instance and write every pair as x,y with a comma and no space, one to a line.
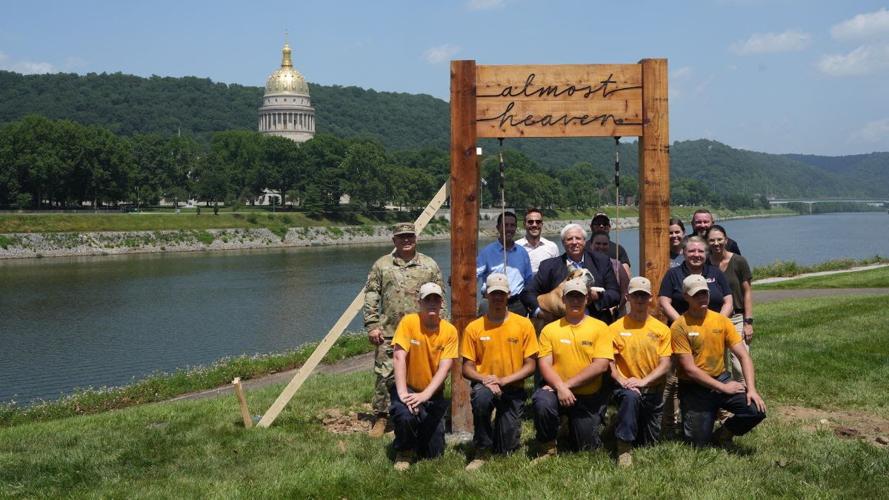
554,271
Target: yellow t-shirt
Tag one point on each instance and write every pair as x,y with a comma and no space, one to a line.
573,348
706,340
639,347
424,349
499,349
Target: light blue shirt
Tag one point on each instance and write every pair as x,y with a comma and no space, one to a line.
518,266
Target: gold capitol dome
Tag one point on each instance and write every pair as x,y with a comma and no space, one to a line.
286,78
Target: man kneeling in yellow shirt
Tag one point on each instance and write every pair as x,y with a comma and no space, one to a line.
700,337
425,347
641,359
574,353
498,350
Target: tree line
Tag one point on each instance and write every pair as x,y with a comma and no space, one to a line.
128,105
61,164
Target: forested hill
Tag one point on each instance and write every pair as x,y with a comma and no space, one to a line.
129,104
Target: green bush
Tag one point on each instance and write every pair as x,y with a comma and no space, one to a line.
205,237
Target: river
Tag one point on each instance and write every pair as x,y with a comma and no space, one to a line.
102,321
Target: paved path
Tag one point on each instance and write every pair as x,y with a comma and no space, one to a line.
349,365
365,361
822,273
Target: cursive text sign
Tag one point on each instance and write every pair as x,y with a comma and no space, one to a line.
576,100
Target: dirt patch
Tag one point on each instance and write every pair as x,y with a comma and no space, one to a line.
338,421
844,424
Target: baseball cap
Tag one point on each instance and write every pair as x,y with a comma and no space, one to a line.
639,284
693,284
574,285
403,228
497,282
430,289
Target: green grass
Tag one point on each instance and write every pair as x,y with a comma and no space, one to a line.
873,278
164,386
805,355
75,223
824,353
791,268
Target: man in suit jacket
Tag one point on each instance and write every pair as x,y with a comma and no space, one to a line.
553,271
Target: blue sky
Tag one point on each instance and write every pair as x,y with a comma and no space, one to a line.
781,76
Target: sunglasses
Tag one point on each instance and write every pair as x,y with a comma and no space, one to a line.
533,222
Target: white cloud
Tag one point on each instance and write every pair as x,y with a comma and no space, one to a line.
435,55
875,131
33,68
864,60
25,67
761,43
485,4
863,26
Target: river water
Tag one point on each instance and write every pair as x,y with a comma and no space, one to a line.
102,321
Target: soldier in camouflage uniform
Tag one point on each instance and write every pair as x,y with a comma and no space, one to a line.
390,294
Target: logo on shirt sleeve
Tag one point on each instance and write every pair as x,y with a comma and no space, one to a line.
626,334
513,340
484,339
415,342
693,334
565,341
586,343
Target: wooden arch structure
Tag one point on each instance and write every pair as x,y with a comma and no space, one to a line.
552,101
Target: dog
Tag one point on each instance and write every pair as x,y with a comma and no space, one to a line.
551,301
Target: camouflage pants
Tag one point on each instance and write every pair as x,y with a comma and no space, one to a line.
385,377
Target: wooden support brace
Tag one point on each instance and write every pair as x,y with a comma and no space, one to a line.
242,402
340,326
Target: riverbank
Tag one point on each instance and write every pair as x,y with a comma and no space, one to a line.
38,236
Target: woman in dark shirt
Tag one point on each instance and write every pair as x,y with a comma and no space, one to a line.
677,238
670,296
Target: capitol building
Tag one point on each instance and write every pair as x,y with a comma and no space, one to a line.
286,107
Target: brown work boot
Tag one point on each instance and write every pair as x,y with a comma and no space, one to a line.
547,450
379,427
403,460
480,458
624,453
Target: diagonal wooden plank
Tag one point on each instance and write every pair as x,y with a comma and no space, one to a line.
340,326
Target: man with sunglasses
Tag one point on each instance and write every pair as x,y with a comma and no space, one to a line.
539,248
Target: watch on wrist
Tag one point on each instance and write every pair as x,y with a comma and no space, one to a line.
748,321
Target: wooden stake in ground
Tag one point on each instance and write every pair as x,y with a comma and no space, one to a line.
242,402
340,326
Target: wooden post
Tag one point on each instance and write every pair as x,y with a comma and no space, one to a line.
242,402
464,224
654,174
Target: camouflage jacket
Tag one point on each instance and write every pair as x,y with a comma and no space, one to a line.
392,288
